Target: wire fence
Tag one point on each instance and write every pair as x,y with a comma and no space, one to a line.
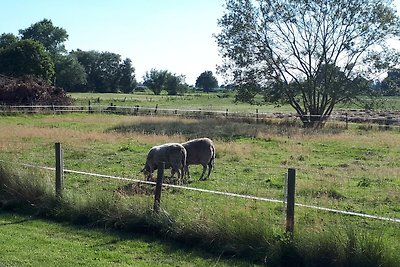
381,119
343,212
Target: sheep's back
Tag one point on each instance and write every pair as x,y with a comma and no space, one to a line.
199,151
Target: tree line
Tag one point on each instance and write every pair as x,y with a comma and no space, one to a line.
39,50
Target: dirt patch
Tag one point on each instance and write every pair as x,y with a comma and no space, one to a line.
135,189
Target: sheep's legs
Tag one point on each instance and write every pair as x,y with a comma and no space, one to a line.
210,167
202,175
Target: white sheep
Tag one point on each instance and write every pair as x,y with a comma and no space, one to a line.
200,151
172,154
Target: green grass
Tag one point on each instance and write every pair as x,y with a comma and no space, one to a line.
204,101
30,241
219,231
211,101
353,169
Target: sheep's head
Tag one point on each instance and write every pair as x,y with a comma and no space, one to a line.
147,173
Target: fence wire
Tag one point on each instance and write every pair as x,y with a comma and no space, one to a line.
351,213
353,116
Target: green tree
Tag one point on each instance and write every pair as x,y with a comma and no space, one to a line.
106,72
175,84
155,79
391,84
70,74
26,57
127,82
307,53
7,39
89,60
46,33
206,81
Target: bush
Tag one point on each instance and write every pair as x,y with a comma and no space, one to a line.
31,90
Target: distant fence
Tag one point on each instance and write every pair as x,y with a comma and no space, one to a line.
385,119
288,201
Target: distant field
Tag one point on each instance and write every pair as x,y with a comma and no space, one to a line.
204,101
355,170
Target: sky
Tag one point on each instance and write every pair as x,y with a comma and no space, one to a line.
175,35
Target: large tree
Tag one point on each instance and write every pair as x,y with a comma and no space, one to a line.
46,33
155,79
7,39
106,72
310,54
175,84
206,81
127,81
391,84
26,57
70,74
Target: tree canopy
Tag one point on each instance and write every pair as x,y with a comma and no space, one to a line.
154,80
70,74
310,54
391,84
158,80
26,57
7,39
106,71
206,81
46,33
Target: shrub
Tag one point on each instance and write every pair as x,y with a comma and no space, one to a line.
31,90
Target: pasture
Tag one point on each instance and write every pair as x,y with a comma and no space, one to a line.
210,101
356,170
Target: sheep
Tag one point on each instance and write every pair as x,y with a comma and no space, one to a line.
173,154
200,151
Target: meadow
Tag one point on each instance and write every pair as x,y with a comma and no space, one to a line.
221,101
355,169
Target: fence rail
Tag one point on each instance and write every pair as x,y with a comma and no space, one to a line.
387,119
343,212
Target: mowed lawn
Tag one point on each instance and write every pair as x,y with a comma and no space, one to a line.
355,170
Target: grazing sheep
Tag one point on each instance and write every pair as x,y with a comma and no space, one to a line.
200,151
174,156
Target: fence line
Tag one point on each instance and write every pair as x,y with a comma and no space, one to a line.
357,214
386,120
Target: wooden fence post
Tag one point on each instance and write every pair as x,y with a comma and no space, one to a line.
59,170
155,110
347,121
157,192
256,115
290,201
226,113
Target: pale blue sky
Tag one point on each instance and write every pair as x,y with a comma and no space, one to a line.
165,34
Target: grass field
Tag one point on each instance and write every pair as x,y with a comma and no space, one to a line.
211,101
28,241
355,169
